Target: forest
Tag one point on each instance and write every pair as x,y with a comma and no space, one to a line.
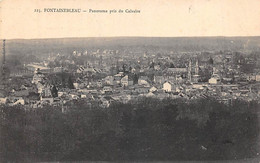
146,129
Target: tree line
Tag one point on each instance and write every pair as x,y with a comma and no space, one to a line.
145,129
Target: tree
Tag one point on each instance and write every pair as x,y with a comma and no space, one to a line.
70,83
135,79
130,69
172,65
54,91
152,65
124,68
211,61
51,64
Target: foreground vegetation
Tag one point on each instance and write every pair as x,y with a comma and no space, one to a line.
147,129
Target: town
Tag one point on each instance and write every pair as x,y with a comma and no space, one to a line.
100,76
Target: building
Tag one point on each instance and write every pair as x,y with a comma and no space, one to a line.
107,89
109,80
118,77
159,79
37,77
3,100
174,71
16,101
215,79
143,80
153,89
38,68
167,87
124,81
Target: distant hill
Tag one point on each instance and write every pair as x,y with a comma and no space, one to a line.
67,45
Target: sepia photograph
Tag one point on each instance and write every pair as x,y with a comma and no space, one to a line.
129,81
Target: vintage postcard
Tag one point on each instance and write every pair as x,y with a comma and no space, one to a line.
137,81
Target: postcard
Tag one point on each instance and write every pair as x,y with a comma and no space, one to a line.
121,80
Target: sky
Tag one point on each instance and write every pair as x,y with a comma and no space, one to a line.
157,18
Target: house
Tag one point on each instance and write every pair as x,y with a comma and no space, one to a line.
167,87
198,86
107,89
46,96
118,77
47,91
109,80
236,93
214,80
39,87
125,98
224,94
3,100
124,81
179,89
218,59
171,78
86,70
130,81
106,101
37,77
175,71
153,89
73,96
140,89
63,91
99,83
251,77
46,100
23,87
157,67
16,101
143,80
162,95
80,69
58,69
133,70
257,78
37,68
150,94
83,96
227,80
159,79
85,91
76,85
60,93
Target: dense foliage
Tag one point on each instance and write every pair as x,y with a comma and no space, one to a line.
147,129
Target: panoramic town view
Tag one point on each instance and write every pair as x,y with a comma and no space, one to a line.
104,76
130,99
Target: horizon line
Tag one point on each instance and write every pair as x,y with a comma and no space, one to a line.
127,37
